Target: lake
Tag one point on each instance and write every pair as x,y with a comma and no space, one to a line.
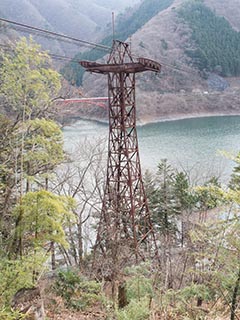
193,145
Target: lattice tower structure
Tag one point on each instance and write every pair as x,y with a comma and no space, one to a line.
125,222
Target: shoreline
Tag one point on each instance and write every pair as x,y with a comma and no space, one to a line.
185,117
144,122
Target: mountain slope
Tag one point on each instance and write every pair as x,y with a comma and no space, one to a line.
183,88
215,45
179,91
228,9
77,18
126,25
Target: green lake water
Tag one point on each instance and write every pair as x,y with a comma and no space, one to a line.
194,145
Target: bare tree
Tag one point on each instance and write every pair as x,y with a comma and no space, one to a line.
81,177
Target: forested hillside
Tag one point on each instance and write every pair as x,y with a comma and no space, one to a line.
198,53
50,205
215,44
81,19
176,257
127,24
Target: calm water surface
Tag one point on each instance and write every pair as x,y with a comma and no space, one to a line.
192,144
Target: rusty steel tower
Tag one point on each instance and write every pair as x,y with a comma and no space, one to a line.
125,220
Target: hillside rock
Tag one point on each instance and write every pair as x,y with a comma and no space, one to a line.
29,302
217,83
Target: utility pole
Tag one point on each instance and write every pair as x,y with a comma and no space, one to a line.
125,225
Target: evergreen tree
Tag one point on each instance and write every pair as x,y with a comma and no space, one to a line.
234,182
31,146
163,201
31,219
214,43
42,217
28,84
